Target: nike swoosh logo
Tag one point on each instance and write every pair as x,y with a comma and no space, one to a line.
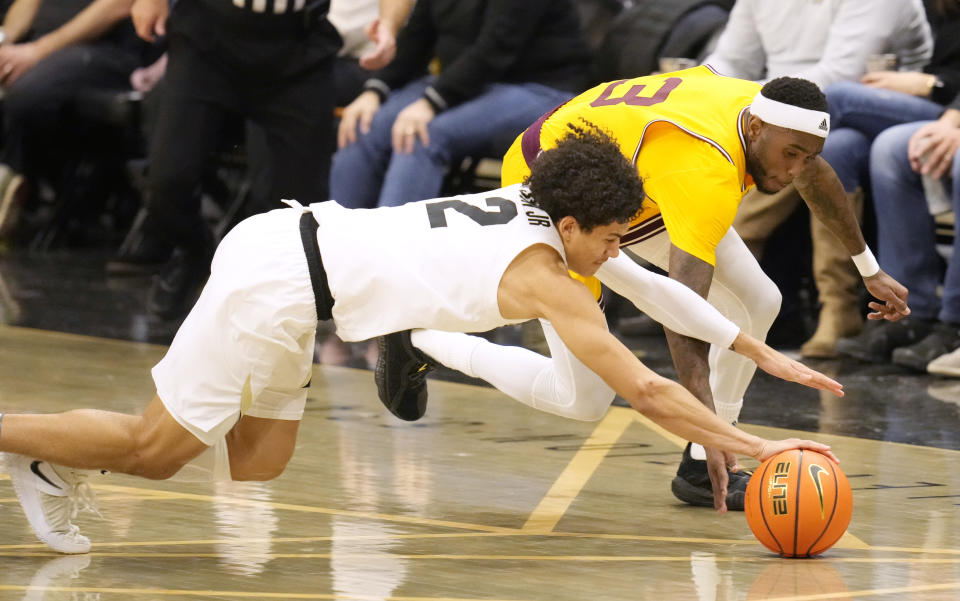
816,472
35,468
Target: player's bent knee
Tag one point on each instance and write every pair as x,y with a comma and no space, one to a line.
257,473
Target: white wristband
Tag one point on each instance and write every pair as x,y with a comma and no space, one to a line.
866,263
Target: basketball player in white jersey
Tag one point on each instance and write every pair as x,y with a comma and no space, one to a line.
232,387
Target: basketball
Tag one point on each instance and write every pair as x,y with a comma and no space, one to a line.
798,503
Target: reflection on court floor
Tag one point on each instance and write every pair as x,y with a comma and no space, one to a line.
483,499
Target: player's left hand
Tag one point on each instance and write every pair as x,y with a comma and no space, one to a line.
411,124
777,364
893,295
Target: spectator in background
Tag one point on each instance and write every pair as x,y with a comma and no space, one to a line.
50,51
357,22
906,239
502,65
268,62
860,112
824,41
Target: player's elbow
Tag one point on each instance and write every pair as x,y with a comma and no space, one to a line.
648,393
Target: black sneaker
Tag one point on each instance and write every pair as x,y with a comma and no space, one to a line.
692,484
175,289
401,376
146,253
942,339
880,337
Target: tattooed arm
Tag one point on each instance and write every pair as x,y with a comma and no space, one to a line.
821,189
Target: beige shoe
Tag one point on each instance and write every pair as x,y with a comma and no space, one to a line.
946,365
835,322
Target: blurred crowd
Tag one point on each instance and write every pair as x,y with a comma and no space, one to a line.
148,128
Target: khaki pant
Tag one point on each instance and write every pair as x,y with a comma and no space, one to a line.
836,277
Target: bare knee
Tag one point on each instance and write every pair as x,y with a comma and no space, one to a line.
259,449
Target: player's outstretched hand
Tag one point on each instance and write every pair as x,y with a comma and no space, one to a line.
777,364
769,448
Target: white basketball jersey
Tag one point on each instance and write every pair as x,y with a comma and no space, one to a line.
431,264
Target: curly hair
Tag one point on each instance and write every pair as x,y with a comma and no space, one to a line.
798,92
587,177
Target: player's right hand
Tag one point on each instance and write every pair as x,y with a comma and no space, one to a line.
358,113
717,470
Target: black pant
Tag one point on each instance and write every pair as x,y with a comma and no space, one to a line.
274,71
36,106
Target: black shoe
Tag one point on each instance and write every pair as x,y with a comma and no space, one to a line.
176,287
942,339
692,484
879,338
146,254
401,376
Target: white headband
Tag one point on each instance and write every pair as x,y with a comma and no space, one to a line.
786,115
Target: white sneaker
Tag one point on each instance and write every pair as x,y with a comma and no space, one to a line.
50,499
946,365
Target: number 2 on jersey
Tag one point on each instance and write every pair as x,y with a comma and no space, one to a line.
506,210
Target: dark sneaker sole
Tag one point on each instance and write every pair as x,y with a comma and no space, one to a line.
700,497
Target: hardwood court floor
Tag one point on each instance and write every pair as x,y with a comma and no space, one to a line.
483,499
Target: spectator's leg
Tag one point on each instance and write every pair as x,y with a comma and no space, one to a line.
759,214
838,282
34,108
298,123
872,110
906,242
949,364
357,170
476,127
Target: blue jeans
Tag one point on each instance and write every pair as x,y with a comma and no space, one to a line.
368,173
906,237
859,113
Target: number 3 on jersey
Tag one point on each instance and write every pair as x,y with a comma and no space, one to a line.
505,211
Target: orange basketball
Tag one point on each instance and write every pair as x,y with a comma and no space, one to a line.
798,503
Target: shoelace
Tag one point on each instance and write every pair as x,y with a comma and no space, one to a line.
417,377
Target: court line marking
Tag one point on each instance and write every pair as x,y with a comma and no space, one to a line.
171,495
920,588
847,541
581,467
485,557
7,550
243,594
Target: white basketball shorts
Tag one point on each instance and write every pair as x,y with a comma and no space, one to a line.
246,348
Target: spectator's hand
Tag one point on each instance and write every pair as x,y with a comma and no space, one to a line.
411,124
17,59
385,50
358,113
891,292
717,470
915,83
150,18
145,78
932,148
769,448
